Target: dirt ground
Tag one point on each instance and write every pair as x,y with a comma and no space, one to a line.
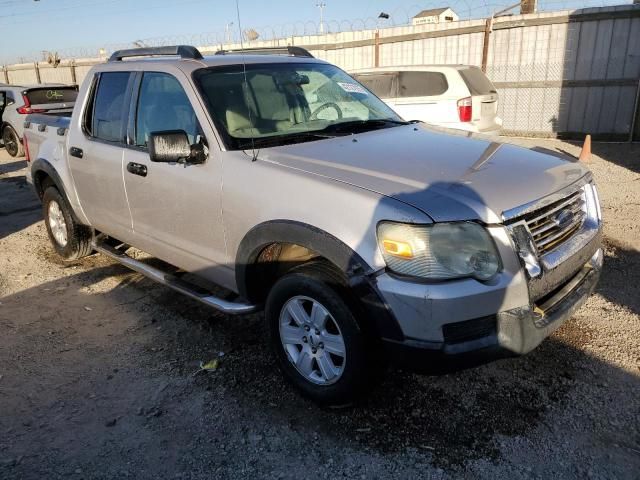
97,377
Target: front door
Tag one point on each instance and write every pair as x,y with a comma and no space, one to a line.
96,154
176,208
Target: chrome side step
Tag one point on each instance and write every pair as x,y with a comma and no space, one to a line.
171,281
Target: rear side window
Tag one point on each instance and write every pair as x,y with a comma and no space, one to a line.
381,85
422,84
477,81
107,116
42,96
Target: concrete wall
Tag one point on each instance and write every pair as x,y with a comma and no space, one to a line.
558,73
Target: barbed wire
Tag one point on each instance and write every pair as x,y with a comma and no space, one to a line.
398,17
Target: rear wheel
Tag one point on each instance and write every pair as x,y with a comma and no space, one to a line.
12,143
318,343
69,239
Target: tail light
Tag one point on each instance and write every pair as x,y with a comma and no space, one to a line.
26,108
465,109
27,156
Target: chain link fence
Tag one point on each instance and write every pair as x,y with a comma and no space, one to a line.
398,16
562,73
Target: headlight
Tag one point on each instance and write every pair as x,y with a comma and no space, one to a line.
440,251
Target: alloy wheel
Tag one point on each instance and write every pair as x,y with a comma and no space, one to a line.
57,224
10,142
312,340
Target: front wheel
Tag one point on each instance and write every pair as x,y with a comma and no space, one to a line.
70,240
318,343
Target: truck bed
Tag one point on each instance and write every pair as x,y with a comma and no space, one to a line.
38,127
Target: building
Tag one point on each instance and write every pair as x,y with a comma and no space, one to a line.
435,15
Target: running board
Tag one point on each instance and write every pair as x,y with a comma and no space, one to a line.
171,281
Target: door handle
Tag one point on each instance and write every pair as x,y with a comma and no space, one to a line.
76,152
137,169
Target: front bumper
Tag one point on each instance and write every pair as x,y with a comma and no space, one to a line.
510,332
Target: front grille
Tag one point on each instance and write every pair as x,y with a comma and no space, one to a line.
554,224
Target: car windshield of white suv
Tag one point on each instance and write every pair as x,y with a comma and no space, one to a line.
282,103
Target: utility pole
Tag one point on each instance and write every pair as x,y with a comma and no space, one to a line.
321,6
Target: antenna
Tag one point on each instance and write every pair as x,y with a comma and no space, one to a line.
246,82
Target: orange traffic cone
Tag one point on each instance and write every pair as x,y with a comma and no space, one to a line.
585,153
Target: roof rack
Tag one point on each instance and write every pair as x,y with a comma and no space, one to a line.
184,51
289,50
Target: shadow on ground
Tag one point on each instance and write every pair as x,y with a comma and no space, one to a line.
19,205
12,167
102,377
622,262
628,157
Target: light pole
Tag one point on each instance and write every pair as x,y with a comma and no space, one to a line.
321,6
227,32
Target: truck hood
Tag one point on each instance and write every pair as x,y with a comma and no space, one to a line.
449,176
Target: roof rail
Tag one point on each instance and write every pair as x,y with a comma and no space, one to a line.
289,50
184,51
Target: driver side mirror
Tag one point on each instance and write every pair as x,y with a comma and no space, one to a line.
172,146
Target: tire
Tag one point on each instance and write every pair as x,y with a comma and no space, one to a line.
12,143
70,240
307,287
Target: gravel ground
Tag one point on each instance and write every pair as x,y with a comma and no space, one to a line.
97,377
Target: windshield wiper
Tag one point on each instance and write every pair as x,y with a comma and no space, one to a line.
285,139
330,131
362,125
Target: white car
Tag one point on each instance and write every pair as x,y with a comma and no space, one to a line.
452,96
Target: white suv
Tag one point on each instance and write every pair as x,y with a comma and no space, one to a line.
452,96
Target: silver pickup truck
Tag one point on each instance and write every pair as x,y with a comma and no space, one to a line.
276,176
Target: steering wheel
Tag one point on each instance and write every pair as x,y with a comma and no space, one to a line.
322,107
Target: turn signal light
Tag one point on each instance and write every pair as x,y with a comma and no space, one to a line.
399,249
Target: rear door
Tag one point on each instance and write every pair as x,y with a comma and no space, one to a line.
52,99
176,208
96,154
484,97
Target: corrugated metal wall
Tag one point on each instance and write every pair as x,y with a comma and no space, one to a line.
558,73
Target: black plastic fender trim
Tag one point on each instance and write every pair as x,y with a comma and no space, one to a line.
42,165
360,275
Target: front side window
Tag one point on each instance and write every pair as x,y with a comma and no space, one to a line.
280,103
421,84
107,116
163,105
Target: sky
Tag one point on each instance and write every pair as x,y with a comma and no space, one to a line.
77,28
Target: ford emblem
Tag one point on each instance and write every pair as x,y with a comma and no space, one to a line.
563,218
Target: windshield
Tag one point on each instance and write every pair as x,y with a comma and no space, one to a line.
287,103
